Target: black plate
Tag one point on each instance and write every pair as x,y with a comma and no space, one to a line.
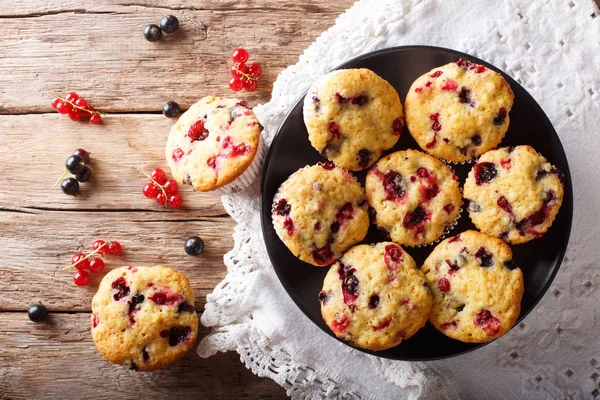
540,259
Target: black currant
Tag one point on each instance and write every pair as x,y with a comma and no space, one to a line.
70,186
38,313
75,164
171,109
84,175
169,24
152,32
83,154
194,246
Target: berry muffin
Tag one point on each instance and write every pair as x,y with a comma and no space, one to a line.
514,194
352,117
216,144
375,296
476,285
320,211
459,110
144,317
414,197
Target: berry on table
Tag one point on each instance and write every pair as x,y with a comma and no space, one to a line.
250,85
254,70
80,261
170,187
81,103
169,24
243,76
63,108
194,246
84,175
175,201
152,32
81,278
72,96
96,119
37,313
99,246
239,55
83,154
150,190
114,248
96,265
171,109
55,103
159,176
161,199
75,164
164,191
76,107
70,186
236,84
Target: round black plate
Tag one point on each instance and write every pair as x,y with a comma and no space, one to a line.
539,259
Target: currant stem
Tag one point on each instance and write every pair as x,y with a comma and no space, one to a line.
88,256
157,184
81,108
59,179
248,77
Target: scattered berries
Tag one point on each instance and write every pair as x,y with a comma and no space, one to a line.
194,246
95,265
169,24
152,32
81,278
164,191
77,108
37,313
171,109
243,76
76,165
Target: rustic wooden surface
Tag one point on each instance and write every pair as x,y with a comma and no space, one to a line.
97,49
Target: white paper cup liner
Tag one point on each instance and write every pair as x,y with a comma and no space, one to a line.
248,176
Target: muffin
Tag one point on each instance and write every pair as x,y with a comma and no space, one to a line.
514,194
375,296
319,212
476,285
144,317
458,111
352,117
414,197
216,144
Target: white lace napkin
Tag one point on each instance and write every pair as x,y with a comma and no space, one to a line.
552,48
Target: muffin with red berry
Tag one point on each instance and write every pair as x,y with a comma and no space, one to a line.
477,287
352,117
375,296
458,111
415,198
514,194
216,145
319,212
144,317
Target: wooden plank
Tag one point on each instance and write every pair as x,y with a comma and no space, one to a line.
35,148
36,245
58,360
97,49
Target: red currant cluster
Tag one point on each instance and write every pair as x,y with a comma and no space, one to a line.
94,264
76,107
243,76
165,191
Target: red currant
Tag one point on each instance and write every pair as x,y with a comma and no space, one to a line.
159,176
96,265
71,96
96,119
115,248
170,187
81,278
83,265
150,190
254,70
75,114
250,85
235,83
175,201
98,245
63,107
239,55
161,199
55,103
80,103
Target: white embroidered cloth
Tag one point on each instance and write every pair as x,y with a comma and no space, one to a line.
551,47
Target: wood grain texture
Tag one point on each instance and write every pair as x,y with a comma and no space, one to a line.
58,360
98,49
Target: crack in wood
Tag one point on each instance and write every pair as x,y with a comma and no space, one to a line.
58,12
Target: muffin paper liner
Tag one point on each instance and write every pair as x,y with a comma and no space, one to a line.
248,176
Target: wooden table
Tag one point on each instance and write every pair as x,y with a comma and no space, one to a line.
98,50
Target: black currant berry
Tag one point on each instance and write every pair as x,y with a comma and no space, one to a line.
83,154
38,313
84,175
194,246
169,24
171,109
75,164
70,186
152,32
